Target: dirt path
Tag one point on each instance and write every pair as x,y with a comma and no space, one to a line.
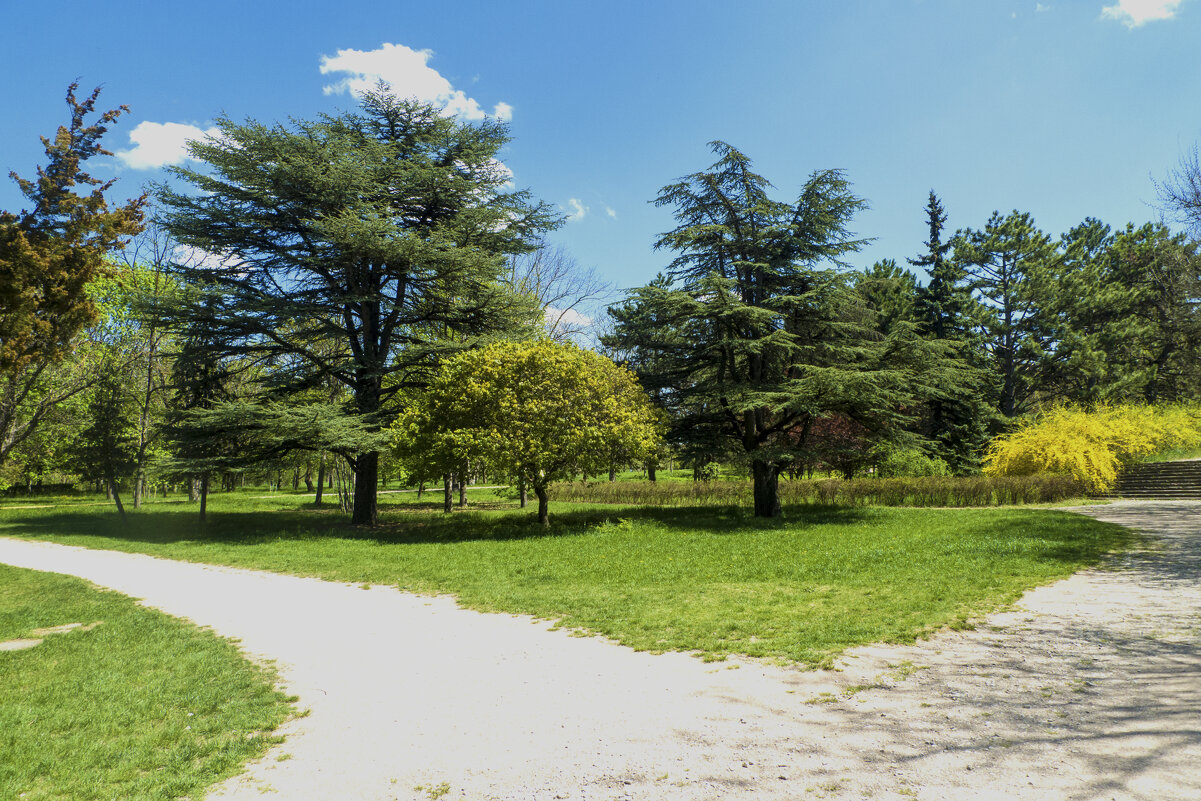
1090,689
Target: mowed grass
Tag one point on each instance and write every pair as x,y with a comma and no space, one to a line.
142,706
715,581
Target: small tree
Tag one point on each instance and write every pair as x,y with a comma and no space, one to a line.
106,447
541,411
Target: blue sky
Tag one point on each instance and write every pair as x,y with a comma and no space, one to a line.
1063,109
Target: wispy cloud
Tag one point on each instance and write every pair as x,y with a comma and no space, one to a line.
1134,13
578,210
160,144
409,74
610,212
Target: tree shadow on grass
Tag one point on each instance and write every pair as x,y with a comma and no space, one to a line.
1067,539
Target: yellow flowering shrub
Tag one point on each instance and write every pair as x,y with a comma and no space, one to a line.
1093,444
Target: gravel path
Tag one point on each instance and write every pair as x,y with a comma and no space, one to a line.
1088,689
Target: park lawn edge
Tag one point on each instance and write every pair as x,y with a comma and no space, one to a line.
600,622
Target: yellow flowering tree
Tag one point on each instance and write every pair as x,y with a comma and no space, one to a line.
541,411
1093,444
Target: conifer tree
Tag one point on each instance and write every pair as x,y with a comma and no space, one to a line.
755,335
1012,266
384,229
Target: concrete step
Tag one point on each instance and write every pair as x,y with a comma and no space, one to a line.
1180,480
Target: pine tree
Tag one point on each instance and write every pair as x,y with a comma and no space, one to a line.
1012,268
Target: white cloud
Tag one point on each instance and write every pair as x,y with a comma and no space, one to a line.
159,144
610,212
570,318
1040,8
408,72
578,210
1133,13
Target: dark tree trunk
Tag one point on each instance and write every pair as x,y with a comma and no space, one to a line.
543,504
204,495
612,473
767,489
420,489
447,495
366,477
308,476
116,497
320,476
650,471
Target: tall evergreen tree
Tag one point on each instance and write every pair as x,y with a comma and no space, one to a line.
890,291
954,419
1012,266
755,335
943,304
384,229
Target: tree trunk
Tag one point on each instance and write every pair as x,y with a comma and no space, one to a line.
767,489
204,496
612,472
523,489
139,488
651,467
116,497
463,487
308,476
366,478
543,504
447,496
420,489
320,476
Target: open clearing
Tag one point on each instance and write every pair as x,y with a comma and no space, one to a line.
1089,688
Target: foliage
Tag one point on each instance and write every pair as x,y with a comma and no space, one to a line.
383,230
753,335
49,253
1012,267
142,706
539,411
1093,444
106,448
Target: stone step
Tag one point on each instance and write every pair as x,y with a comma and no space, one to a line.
1180,479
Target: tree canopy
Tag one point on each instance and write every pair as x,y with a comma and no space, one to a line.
540,411
384,229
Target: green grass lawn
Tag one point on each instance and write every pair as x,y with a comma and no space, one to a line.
714,580
143,706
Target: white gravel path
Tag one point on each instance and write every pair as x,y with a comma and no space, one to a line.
1089,689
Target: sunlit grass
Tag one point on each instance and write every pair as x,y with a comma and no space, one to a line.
142,706
712,580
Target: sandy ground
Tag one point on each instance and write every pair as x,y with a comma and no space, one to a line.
1088,689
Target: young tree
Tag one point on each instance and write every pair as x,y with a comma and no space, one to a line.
385,229
540,411
753,336
105,447
49,254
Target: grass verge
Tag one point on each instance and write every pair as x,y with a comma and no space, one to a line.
142,706
715,580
